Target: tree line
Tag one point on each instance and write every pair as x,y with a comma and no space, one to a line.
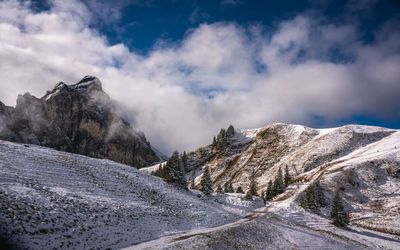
173,171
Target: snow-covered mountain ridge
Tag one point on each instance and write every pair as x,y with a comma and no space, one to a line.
55,199
363,161
277,145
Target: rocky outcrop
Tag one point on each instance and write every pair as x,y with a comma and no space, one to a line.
79,118
232,158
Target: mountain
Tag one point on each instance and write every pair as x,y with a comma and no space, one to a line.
363,162
79,118
52,199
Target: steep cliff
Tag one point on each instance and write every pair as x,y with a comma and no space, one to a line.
79,118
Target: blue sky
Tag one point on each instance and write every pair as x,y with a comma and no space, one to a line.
179,66
140,24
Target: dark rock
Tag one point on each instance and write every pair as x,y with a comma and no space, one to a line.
79,118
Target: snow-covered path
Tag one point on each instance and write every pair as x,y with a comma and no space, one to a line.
164,241
301,229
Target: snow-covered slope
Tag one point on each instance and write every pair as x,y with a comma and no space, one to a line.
51,199
277,145
363,161
55,199
269,228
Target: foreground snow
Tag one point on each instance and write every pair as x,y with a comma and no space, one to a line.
279,225
78,202
52,199
364,161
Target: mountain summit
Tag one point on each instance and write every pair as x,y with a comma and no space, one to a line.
79,118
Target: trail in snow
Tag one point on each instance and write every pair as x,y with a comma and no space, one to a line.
163,241
297,223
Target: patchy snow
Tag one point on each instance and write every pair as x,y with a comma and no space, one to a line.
52,199
59,86
72,201
363,160
324,131
249,133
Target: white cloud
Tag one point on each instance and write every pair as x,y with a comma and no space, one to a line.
181,94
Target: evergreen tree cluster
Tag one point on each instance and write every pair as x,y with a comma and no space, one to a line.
248,195
278,185
313,198
228,188
268,195
206,182
223,136
184,160
338,213
252,189
174,170
239,190
287,178
159,172
253,184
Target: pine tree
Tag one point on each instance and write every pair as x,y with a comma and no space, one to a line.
221,135
253,184
239,190
185,161
219,189
228,188
269,193
264,196
308,200
206,182
248,195
277,188
159,172
287,178
214,141
338,214
221,138
319,195
173,171
230,131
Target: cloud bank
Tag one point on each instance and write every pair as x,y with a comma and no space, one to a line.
181,93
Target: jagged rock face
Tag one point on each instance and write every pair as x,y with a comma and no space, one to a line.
78,118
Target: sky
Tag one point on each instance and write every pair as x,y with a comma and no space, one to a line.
181,70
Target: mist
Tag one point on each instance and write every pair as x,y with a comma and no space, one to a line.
181,93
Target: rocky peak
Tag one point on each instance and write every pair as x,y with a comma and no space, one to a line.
87,81
27,102
78,118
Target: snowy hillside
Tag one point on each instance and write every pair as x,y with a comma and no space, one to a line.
363,161
51,199
275,146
